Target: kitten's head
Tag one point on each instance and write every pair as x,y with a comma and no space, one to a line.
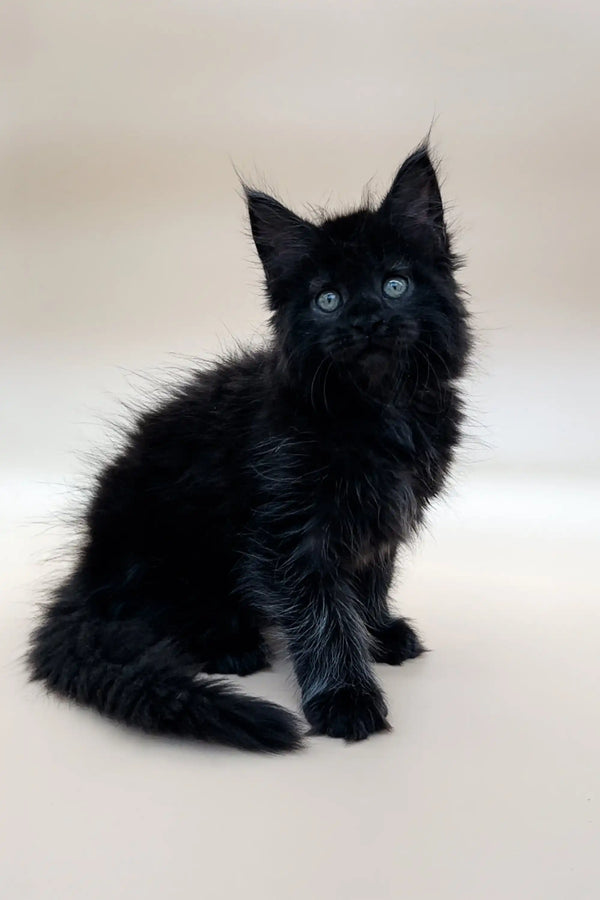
369,295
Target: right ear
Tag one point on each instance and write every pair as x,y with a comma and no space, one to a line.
282,238
413,204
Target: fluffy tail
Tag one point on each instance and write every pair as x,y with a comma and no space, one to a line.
120,669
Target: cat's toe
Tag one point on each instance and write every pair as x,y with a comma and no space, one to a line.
396,643
351,713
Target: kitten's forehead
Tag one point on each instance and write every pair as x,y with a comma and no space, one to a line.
353,227
354,243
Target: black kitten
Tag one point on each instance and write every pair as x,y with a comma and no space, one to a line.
275,488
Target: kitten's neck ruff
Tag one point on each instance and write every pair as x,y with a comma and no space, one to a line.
336,391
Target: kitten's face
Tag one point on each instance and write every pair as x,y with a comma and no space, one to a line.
372,292
356,298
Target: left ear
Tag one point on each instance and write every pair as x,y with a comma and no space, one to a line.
282,238
414,203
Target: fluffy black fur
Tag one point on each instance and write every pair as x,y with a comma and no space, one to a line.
275,489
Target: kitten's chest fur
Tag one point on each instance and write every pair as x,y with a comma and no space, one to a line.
370,477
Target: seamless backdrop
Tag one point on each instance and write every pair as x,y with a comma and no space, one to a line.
125,252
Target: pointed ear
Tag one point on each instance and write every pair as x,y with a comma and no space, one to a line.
414,204
282,238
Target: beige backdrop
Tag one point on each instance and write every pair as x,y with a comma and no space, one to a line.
125,232
124,249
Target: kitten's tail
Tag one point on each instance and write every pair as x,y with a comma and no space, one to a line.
120,669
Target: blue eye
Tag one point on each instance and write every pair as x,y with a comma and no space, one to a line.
328,301
394,288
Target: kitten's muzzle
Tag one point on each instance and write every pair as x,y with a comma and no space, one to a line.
369,327
373,333
358,344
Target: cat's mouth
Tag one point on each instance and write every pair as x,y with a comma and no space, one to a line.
379,344
376,360
365,347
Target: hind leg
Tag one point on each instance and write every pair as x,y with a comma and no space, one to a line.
236,646
231,644
244,659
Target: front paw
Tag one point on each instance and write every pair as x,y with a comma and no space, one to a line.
352,713
396,642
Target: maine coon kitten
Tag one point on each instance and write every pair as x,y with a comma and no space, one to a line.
275,488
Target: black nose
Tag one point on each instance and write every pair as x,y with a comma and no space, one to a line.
370,325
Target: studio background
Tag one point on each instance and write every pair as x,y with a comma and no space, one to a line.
125,252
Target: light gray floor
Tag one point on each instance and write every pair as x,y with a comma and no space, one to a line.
487,787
